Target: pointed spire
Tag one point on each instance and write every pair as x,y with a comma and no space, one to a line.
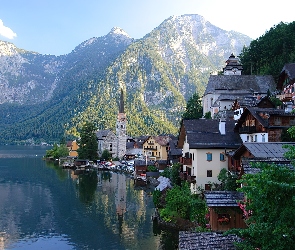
121,106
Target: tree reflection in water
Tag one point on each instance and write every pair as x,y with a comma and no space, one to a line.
87,186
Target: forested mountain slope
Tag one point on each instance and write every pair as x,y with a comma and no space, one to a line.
158,74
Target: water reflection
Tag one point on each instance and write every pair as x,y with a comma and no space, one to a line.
45,205
87,184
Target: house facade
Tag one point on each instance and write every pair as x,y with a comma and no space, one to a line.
205,144
264,124
73,147
156,147
224,211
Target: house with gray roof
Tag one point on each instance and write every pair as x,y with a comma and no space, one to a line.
250,152
205,144
224,210
264,124
223,90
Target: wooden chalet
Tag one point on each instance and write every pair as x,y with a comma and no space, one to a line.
264,124
224,211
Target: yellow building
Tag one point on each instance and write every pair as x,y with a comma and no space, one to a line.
156,147
73,147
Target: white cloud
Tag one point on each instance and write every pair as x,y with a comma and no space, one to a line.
6,32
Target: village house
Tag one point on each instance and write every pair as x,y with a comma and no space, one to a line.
240,105
223,90
250,152
156,147
224,210
205,144
174,153
73,147
286,83
141,167
264,124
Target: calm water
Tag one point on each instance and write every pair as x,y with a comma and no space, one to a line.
43,207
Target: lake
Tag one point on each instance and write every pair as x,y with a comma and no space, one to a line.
43,206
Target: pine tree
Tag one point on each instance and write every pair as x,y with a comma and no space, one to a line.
88,142
194,108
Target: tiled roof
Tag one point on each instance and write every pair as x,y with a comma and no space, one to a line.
102,133
223,198
162,140
248,168
273,150
176,151
259,84
289,70
206,241
130,145
204,133
244,99
143,163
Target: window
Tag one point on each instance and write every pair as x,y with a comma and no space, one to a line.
222,157
209,173
209,156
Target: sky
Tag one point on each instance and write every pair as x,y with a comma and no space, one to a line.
56,27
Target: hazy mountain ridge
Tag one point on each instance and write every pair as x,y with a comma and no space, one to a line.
158,74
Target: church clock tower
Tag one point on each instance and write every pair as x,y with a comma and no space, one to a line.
121,129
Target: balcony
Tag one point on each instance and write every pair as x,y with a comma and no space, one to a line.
247,130
185,177
185,161
285,97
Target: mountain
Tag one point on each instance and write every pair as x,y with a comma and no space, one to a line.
42,96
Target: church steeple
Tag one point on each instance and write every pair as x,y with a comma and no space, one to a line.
121,104
121,129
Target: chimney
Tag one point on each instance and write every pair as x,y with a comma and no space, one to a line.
222,125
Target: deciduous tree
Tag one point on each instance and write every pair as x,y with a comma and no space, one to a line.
271,200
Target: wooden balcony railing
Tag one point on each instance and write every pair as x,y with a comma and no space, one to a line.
285,97
185,161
